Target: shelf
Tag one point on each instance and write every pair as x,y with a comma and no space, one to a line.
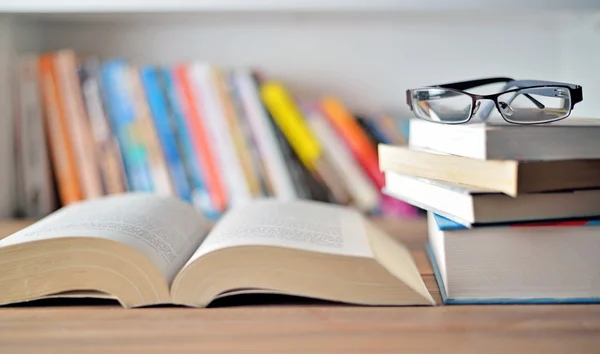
182,6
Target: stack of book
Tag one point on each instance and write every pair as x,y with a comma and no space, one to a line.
213,137
512,210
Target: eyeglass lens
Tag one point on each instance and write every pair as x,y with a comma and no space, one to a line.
535,105
441,105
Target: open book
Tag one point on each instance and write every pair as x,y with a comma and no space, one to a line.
144,249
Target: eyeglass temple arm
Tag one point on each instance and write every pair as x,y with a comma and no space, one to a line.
464,85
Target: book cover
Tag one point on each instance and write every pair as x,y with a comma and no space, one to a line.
445,224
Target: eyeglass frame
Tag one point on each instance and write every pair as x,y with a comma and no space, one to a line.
575,93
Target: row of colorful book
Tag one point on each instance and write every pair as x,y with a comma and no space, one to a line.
513,211
213,137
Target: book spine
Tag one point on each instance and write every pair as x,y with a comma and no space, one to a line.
191,108
107,146
33,162
306,187
219,136
79,128
355,138
164,129
147,132
200,194
291,121
114,82
61,148
257,163
363,192
242,147
277,173
372,130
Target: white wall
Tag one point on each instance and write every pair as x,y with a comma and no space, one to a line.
369,60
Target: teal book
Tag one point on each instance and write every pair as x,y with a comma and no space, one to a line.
121,113
199,191
164,129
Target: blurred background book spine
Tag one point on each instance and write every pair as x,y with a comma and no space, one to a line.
214,137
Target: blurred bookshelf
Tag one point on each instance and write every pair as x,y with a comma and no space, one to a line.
363,53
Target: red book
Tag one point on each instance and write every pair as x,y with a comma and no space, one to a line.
190,106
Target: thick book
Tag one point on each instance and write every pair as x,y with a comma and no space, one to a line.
544,262
512,177
572,138
145,249
473,205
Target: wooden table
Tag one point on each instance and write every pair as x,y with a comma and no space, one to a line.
306,328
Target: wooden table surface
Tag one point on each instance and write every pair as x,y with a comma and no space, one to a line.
305,328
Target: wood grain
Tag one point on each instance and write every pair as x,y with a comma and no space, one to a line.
308,328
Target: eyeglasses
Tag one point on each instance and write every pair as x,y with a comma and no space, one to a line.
520,102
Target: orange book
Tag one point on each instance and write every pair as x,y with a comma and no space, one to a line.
61,148
90,177
200,139
354,137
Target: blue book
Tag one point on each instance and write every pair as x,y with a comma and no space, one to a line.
164,130
122,117
526,263
200,196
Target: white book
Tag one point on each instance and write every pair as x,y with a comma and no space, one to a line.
265,138
363,192
474,205
34,160
144,249
222,143
572,138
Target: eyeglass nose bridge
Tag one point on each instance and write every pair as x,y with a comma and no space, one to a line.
485,109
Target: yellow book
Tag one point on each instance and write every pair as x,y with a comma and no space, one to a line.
289,119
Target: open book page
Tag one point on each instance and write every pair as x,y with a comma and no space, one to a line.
305,225
164,229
